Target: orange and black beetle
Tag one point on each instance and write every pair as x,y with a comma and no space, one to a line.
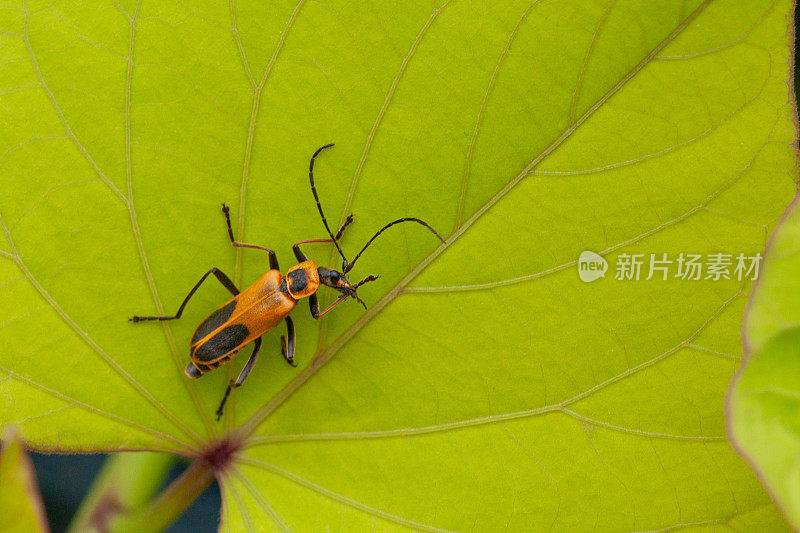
262,306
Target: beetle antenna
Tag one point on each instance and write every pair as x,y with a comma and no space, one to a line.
387,226
319,206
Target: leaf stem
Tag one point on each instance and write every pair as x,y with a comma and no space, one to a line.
126,482
162,511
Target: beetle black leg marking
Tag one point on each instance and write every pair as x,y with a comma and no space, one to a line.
250,363
287,348
313,304
224,399
273,259
220,275
242,375
298,253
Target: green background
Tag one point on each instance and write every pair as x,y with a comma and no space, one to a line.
525,132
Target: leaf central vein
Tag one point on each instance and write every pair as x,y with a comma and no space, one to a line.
325,355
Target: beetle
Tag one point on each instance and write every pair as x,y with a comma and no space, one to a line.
251,313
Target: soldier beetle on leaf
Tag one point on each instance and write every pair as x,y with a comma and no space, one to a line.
253,312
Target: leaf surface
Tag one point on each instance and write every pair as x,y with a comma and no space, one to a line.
486,384
763,402
21,508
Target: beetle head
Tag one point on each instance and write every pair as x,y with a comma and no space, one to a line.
337,280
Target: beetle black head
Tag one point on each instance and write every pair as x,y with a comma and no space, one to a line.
337,280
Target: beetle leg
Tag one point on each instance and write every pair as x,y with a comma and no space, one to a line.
313,303
273,259
287,348
250,363
242,375
220,275
224,399
333,305
299,253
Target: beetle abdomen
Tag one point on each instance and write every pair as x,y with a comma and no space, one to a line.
222,342
213,321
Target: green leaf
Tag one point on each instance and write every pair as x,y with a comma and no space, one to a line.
21,508
123,486
773,308
764,400
484,370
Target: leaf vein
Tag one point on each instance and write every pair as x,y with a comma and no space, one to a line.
189,449
258,90
557,407
703,206
137,235
248,521
260,499
589,51
324,356
729,44
642,433
62,118
240,46
350,502
481,112
386,102
116,367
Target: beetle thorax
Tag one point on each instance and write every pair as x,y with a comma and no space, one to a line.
302,280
